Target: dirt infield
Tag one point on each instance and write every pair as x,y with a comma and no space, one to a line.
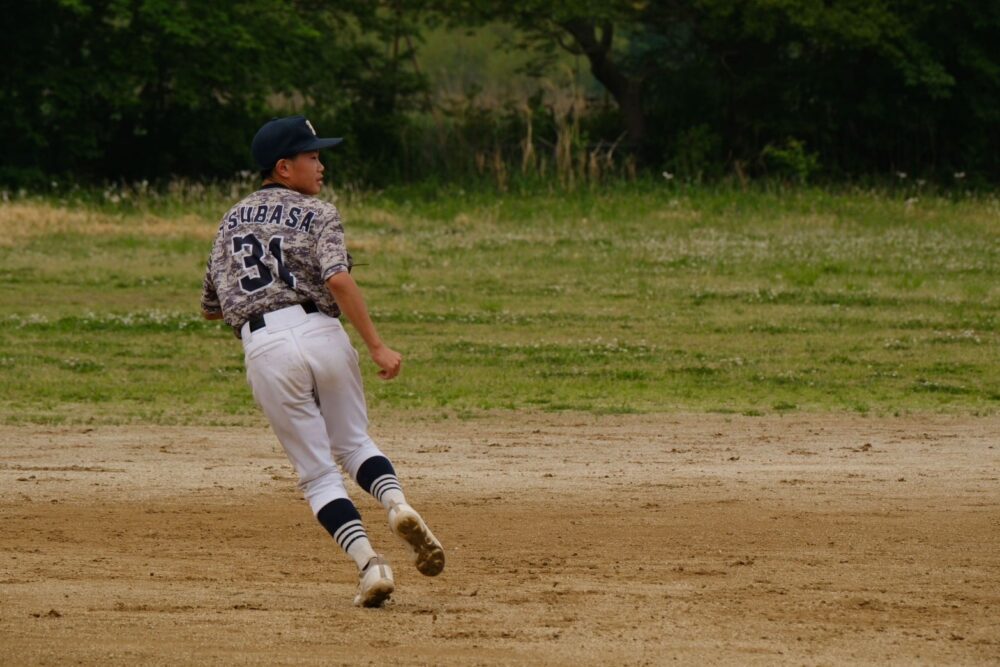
570,540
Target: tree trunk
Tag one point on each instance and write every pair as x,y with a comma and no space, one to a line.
626,90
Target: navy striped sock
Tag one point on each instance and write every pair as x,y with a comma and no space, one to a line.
377,477
341,519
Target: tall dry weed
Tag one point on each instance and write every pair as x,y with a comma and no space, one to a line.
529,161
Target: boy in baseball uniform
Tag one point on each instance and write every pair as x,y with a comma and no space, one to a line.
279,275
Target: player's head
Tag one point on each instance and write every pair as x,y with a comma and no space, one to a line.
287,150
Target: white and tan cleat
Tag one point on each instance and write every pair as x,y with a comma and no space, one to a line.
428,555
375,583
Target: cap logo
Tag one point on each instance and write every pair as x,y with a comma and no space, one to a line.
311,128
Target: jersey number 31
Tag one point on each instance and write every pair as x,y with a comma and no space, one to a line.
253,259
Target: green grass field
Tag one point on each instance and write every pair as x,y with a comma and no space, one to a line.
636,298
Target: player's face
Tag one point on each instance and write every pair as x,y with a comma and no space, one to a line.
305,173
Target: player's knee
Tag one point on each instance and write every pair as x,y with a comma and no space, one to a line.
323,489
351,460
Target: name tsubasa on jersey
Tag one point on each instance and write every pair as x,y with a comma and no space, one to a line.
294,218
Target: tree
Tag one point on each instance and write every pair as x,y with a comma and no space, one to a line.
153,88
582,27
870,83
883,84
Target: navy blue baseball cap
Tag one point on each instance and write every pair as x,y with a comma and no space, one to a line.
285,137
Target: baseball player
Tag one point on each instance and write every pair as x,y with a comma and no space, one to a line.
279,275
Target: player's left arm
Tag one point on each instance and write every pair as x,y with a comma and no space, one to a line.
335,263
348,296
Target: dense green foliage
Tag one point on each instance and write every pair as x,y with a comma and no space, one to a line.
645,298
866,85
131,89
137,89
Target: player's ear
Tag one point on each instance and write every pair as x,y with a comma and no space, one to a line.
282,168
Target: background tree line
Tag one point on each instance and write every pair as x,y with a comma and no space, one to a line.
152,89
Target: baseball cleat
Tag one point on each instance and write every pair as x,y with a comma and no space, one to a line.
374,583
428,555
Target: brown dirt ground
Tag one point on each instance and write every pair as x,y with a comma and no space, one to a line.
570,540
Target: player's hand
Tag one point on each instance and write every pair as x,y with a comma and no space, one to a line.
388,360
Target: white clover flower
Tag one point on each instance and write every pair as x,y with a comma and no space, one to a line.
959,175
901,175
668,176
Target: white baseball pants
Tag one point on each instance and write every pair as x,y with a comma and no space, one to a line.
305,376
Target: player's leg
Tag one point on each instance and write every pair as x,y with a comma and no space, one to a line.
283,387
341,396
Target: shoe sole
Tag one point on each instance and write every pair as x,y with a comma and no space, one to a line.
377,594
429,554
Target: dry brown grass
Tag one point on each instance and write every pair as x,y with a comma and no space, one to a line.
20,221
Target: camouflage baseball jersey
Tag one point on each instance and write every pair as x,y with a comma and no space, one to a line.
275,248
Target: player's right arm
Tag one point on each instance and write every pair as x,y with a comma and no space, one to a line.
348,296
211,308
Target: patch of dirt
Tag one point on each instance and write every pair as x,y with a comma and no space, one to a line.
570,540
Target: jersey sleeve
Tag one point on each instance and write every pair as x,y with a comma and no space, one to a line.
209,297
331,251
